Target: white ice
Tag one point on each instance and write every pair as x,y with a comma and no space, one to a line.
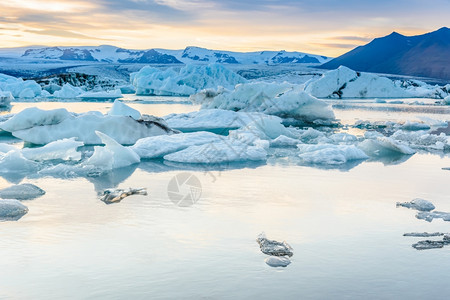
33,116
418,204
158,146
65,149
25,191
330,154
121,109
11,209
68,91
114,94
382,146
277,261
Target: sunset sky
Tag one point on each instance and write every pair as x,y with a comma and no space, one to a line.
328,27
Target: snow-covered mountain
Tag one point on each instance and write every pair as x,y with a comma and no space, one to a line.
162,56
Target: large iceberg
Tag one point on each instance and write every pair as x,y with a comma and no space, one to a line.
346,83
42,127
283,100
189,80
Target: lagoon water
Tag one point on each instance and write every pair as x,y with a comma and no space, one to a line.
342,223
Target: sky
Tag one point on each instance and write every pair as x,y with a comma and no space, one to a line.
326,27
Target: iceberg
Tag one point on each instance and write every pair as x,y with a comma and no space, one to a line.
112,156
33,116
418,204
330,154
212,120
49,128
14,162
18,87
25,191
161,145
65,149
68,91
346,83
382,146
283,100
423,140
12,210
431,215
121,109
228,150
189,80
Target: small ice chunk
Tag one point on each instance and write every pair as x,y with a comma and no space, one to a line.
12,210
102,94
116,195
5,98
274,248
278,261
25,191
284,141
418,204
121,109
381,146
330,154
68,91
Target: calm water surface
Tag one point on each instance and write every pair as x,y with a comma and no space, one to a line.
344,227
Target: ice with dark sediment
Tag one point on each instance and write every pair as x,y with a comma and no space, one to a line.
110,196
25,191
274,248
424,234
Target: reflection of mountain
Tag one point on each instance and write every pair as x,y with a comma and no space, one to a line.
189,55
426,55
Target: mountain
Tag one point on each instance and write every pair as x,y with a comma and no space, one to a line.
426,55
162,56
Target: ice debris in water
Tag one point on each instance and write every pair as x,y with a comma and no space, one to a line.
278,261
430,244
423,234
418,204
12,210
383,146
431,215
274,248
25,191
116,195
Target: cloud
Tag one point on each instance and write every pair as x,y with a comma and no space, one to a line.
337,45
352,38
63,33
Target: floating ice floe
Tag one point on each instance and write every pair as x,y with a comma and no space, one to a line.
346,83
25,191
14,162
65,149
42,127
431,215
382,146
121,109
423,140
110,196
430,244
227,150
274,248
212,120
330,154
283,100
188,81
418,204
112,156
102,94
159,146
12,210
277,261
5,98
